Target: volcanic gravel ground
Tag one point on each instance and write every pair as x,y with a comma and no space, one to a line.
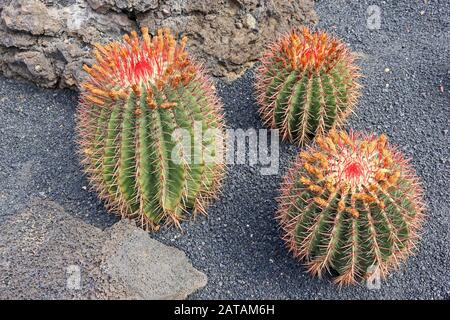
406,95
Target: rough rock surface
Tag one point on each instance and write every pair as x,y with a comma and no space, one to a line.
46,253
47,41
147,267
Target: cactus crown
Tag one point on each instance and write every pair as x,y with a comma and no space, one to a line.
350,203
303,50
138,93
306,84
136,64
357,164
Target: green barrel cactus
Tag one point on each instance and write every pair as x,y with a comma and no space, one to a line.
150,129
306,84
351,204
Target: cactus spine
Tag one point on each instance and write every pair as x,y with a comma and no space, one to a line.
306,85
138,92
351,203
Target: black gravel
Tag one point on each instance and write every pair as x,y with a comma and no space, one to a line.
406,95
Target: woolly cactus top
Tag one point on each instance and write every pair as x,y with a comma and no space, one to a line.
134,64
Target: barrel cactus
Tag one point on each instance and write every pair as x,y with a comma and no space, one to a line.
351,204
307,83
138,94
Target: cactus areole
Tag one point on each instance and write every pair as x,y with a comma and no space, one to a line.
137,94
306,85
351,204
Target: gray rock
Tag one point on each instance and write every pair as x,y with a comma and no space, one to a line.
147,267
40,247
48,254
65,31
32,16
19,40
250,21
31,65
123,5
